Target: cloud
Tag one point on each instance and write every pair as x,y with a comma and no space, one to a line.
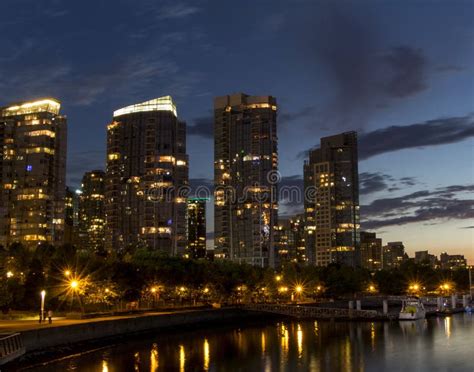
450,68
203,127
129,75
291,196
430,133
83,161
364,73
373,182
467,227
408,71
421,206
176,10
395,138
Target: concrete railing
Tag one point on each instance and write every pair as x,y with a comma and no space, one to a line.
11,347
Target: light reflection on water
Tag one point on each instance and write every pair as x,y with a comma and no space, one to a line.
434,344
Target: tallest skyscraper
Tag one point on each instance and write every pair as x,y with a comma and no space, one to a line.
245,178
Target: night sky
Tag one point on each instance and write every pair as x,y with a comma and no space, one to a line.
398,72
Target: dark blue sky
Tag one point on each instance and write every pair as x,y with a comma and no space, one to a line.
399,72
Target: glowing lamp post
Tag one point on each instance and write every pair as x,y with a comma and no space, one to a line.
43,295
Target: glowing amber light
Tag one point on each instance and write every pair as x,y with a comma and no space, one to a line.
67,273
299,289
74,284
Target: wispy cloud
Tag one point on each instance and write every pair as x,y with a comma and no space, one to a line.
128,75
418,135
441,204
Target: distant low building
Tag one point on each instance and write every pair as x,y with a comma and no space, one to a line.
370,251
425,258
393,255
452,261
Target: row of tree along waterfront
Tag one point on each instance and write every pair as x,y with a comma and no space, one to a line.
76,280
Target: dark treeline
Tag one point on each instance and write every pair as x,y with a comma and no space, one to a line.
144,275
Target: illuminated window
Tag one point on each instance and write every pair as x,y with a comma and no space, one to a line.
114,156
44,132
36,150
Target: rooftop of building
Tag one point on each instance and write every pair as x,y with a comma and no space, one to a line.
164,103
47,104
238,99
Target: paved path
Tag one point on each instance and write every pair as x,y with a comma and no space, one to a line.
9,326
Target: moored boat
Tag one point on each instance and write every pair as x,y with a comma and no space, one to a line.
412,309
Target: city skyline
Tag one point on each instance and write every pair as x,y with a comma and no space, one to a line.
409,138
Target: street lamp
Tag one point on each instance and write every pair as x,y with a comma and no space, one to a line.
74,284
43,295
278,278
67,273
9,274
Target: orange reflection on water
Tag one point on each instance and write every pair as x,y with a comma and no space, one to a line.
136,358
447,326
182,358
105,366
206,355
372,335
154,358
299,340
263,343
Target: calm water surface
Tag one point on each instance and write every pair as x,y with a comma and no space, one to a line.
437,344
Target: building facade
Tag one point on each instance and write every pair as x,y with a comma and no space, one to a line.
425,258
196,217
147,170
452,261
370,251
92,213
331,182
245,178
71,219
33,138
393,255
290,240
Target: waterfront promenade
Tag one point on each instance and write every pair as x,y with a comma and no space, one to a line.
20,325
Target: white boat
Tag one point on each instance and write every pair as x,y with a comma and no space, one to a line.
412,309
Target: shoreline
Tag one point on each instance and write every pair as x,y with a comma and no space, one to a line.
43,345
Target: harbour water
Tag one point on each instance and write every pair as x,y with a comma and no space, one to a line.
435,344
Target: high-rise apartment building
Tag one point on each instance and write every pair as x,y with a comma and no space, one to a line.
33,139
92,212
71,216
290,240
393,255
245,177
147,167
332,201
370,251
197,227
